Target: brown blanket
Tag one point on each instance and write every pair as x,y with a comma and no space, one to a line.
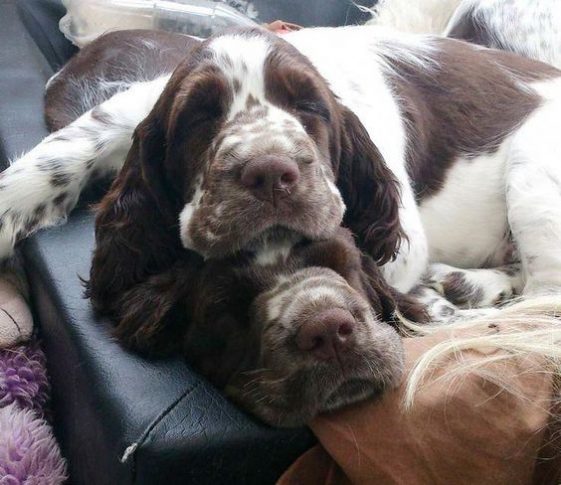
461,430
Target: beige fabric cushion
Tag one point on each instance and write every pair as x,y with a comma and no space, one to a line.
465,430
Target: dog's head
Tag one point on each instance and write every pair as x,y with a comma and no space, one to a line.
290,341
246,144
265,130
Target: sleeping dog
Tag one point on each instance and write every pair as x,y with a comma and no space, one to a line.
287,340
430,150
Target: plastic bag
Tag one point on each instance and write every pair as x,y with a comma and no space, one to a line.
86,20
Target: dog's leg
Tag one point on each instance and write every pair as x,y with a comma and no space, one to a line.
42,187
533,194
475,288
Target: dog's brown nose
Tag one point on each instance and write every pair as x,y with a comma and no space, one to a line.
271,177
327,334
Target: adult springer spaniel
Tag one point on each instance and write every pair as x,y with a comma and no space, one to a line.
430,150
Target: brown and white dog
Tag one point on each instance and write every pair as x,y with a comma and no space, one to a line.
286,340
429,150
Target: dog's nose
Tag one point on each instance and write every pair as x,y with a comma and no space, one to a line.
270,178
327,334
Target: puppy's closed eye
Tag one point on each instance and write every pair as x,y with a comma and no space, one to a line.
314,108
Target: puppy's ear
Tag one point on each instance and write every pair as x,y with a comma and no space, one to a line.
153,317
136,225
411,308
387,300
370,191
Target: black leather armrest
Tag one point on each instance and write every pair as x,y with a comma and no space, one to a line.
40,17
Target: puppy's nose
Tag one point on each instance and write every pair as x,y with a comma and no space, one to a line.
327,334
270,178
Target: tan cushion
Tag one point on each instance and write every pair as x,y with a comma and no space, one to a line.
464,430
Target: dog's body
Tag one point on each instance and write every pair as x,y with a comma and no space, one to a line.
430,150
455,155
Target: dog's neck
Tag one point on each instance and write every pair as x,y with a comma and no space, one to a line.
273,247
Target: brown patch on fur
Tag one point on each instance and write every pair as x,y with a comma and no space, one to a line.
251,102
113,58
237,85
101,116
61,199
460,291
60,179
463,105
40,211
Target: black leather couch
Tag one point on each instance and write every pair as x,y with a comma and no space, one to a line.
119,418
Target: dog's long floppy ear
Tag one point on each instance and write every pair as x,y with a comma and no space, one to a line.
153,315
370,191
136,224
388,299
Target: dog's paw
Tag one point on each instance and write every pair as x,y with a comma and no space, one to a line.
475,288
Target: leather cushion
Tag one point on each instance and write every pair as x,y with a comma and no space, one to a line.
40,18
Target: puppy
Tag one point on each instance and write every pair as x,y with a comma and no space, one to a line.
285,341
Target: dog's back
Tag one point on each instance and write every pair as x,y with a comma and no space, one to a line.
109,65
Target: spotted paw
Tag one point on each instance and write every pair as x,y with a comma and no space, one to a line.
476,288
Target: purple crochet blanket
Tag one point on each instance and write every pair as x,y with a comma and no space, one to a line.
29,453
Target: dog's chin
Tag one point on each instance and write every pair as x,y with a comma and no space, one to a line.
215,237
274,235
300,414
332,393
351,392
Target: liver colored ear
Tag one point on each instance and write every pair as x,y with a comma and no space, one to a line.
137,245
383,296
136,233
370,191
153,316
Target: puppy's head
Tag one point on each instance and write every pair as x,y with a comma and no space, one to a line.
252,132
322,346
290,342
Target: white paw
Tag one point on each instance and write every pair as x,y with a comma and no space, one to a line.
477,288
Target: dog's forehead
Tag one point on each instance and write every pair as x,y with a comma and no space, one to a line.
242,60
